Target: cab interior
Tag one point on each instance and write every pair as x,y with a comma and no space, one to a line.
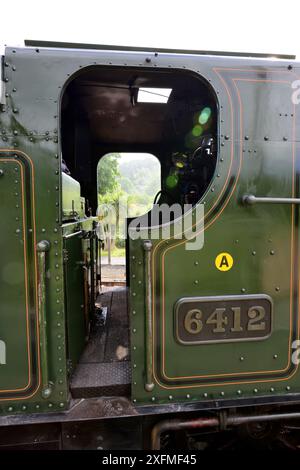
105,110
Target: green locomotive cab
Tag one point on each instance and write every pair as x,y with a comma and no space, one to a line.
208,316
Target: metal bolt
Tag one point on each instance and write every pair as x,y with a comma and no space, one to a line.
255,390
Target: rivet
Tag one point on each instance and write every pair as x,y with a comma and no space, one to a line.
188,396
205,395
15,132
277,289
266,137
275,356
272,252
288,388
196,263
196,282
246,137
285,139
272,389
61,405
134,330
253,253
241,358
243,289
10,408
153,399
239,392
226,137
170,397
222,394
134,400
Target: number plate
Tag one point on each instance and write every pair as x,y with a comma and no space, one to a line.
222,319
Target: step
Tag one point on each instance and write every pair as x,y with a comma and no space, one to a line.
101,380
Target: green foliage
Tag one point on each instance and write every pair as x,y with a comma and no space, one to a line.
108,174
136,180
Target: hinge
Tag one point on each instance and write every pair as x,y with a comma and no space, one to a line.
65,255
2,83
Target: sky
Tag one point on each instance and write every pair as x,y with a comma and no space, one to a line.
252,26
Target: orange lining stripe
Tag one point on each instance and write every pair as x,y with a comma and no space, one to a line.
4,150
292,238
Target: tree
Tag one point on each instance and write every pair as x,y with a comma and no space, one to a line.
108,174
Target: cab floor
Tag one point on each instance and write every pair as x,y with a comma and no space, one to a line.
104,366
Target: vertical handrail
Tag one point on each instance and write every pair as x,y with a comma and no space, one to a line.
42,248
149,385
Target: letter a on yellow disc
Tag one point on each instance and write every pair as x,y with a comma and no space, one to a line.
224,262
